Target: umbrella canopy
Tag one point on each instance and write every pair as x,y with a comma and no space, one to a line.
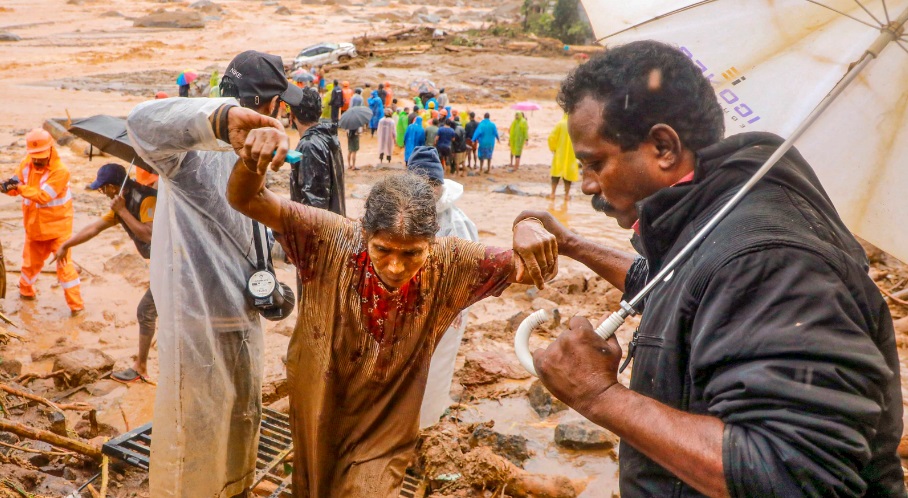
187,77
355,117
526,106
302,76
795,52
108,134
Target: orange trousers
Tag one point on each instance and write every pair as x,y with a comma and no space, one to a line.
34,253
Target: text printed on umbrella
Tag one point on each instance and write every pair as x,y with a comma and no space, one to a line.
728,96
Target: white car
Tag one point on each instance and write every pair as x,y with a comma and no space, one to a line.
324,53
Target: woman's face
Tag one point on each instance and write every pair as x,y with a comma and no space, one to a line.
397,259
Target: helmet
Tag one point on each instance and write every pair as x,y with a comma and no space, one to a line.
38,143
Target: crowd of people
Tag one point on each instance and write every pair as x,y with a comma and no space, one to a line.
765,366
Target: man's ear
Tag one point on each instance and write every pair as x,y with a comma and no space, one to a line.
667,144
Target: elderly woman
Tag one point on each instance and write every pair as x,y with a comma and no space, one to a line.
377,295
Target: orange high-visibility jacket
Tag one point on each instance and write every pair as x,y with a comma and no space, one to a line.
47,203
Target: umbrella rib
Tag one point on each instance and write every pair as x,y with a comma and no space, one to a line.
868,12
886,11
903,47
865,23
663,16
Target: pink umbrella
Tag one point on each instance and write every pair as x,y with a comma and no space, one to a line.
526,106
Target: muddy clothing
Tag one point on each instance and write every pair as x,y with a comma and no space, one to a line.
318,179
140,202
359,355
772,326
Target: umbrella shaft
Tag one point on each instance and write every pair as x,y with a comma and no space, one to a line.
887,36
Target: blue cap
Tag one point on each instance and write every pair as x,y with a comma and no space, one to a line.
109,174
424,161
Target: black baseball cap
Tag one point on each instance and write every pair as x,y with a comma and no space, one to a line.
256,74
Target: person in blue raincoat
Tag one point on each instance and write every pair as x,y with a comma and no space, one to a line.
415,137
486,135
378,110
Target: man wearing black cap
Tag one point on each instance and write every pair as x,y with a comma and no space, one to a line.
132,208
208,401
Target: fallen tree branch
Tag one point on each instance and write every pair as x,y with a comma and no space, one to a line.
33,450
43,400
23,430
28,377
893,298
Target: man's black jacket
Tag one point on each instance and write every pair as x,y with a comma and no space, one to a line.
773,326
318,179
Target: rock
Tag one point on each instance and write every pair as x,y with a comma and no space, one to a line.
552,294
569,284
57,424
283,11
512,447
275,390
53,352
541,303
10,367
584,435
207,7
542,400
55,486
510,190
82,366
9,37
421,10
179,19
38,459
486,367
444,13
112,13
429,18
58,131
8,438
516,320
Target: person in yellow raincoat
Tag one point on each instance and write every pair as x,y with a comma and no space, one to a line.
326,101
564,163
47,211
518,134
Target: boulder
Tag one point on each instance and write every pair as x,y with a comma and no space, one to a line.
9,37
207,7
584,435
542,400
283,11
512,447
57,424
444,13
179,19
510,190
82,366
10,367
112,13
55,486
429,18
486,367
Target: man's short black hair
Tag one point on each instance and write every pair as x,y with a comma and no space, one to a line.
642,84
310,108
435,121
472,114
487,115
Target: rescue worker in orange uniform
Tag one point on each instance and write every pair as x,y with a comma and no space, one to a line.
348,94
47,210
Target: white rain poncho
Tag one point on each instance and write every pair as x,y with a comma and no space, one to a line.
452,222
208,403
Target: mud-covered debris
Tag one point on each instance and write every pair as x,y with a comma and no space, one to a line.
486,367
542,401
207,7
486,470
6,36
82,366
584,435
10,367
283,11
179,19
510,190
512,447
516,320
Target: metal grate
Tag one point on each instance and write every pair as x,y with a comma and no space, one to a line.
275,446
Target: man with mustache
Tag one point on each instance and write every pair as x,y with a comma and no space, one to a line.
766,364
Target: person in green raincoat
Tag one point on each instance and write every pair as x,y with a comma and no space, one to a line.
402,125
564,163
214,89
326,101
519,133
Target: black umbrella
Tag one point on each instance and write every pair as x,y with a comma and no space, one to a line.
355,117
108,134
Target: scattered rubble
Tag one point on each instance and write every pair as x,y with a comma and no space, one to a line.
82,366
584,435
512,447
542,401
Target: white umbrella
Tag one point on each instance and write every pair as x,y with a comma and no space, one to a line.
831,74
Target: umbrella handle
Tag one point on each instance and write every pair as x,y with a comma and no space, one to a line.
605,330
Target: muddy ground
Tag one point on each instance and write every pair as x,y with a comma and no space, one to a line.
85,57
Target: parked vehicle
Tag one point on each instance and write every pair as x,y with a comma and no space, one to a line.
324,53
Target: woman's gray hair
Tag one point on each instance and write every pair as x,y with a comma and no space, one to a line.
403,205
